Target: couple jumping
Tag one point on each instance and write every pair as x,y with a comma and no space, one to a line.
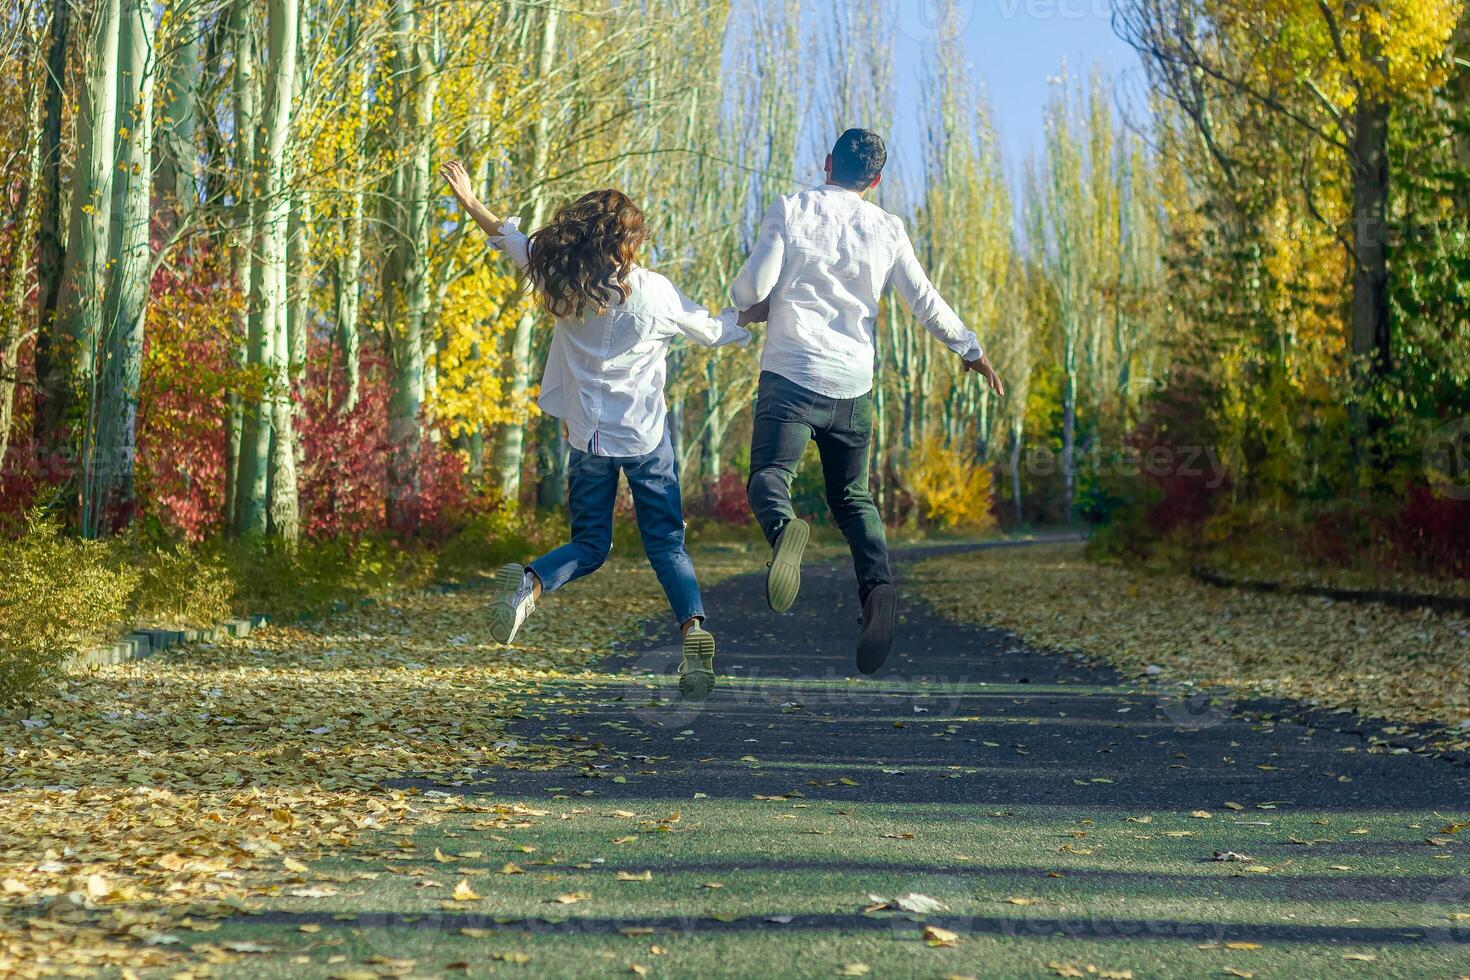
822,262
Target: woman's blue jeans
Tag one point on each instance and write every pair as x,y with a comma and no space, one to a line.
592,490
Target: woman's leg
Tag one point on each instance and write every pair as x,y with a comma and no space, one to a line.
654,480
592,488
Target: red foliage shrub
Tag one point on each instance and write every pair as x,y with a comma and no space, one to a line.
22,479
344,471
1436,530
187,370
725,499
1179,452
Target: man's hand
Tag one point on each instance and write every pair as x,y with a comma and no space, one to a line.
756,314
458,179
981,366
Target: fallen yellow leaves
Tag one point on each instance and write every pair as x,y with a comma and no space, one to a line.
1273,645
1088,970
935,936
163,796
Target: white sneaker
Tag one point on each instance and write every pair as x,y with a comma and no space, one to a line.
513,602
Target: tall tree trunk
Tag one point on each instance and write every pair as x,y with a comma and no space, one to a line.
551,482
1069,426
240,467
349,286
83,278
714,426
406,281
1459,98
349,261
107,499
18,265
1017,437
268,502
55,357
509,452
176,176
1370,309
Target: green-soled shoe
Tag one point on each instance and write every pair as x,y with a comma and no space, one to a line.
697,672
511,605
783,580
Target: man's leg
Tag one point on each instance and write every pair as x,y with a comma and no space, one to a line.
782,428
844,446
658,504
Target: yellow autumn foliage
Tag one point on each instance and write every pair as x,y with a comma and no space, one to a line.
473,390
1391,48
952,488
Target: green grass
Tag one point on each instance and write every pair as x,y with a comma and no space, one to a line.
1146,905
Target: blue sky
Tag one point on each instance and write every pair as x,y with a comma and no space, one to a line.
1014,47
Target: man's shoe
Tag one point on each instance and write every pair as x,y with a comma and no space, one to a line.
879,612
513,602
783,580
697,671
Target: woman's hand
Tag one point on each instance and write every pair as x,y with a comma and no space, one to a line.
458,179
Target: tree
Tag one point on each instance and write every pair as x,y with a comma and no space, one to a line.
54,356
1333,68
511,449
267,490
406,287
74,328
107,492
24,59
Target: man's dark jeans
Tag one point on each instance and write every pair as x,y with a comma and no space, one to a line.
787,416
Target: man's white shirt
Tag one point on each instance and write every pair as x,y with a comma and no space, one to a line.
605,372
824,258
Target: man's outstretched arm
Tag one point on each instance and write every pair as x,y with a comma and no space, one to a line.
763,268
924,301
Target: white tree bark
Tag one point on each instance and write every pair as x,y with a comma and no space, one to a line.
511,449
268,502
107,495
83,280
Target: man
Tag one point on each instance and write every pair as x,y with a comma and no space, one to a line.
823,260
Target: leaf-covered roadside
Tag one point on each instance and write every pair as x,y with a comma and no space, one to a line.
1407,666
151,799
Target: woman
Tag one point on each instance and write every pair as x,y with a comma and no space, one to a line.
605,379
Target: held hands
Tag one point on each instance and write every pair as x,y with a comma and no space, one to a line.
981,366
755,314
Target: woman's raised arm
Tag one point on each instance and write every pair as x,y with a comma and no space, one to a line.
458,179
504,233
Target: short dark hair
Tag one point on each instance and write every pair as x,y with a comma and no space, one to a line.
857,158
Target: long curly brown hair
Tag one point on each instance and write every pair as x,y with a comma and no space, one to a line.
583,257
